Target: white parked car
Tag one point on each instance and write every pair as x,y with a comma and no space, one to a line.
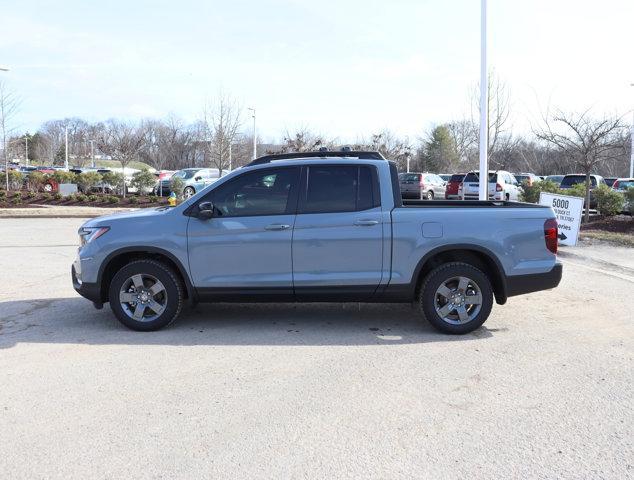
502,186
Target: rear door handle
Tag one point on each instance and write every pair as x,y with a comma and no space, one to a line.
277,226
366,223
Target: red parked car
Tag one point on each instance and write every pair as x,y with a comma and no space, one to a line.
451,190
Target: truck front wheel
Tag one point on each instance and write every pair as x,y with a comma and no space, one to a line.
456,298
146,295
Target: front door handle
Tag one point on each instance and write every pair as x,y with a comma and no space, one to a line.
277,226
366,223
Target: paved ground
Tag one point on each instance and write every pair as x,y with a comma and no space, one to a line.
59,211
544,390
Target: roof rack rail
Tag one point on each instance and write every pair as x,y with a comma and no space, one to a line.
361,155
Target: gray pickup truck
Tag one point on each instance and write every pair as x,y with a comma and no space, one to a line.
320,226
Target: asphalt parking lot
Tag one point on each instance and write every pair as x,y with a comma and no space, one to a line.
543,390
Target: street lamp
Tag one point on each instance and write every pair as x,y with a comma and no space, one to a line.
92,152
66,147
632,144
484,107
255,146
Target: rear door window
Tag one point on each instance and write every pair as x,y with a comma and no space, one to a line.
339,188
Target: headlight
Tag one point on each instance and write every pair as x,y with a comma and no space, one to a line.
88,234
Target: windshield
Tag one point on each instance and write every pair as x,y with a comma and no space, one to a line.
571,180
624,184
409,177
474,177
185,174
456,178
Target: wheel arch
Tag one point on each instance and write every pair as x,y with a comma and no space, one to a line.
475,255
117,259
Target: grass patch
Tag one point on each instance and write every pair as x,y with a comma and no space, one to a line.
621,239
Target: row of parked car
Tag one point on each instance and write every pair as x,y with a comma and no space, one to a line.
503,185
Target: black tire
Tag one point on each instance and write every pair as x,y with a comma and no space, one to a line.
189,192
430,195
428,298
173,299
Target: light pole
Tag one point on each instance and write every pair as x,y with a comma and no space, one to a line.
255,138
92,152
26,148
632,144
4,145
484,107
66,147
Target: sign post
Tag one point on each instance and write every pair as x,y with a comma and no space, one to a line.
568,211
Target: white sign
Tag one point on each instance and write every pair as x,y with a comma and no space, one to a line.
568,211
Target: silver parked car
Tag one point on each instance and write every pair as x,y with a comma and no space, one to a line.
424,186
195,179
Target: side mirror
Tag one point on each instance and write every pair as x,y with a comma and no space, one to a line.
205,210
198,178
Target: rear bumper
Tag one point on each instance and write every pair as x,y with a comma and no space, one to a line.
521,284
91,291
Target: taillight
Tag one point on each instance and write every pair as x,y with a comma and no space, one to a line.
421,183
550,235
498,187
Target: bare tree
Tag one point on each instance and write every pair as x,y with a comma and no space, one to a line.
464,134
389,145
9,105
122,141
304,140
586,141
221,124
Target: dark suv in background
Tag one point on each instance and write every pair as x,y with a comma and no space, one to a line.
570,181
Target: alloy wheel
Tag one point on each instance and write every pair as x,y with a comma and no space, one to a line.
458,300
143,297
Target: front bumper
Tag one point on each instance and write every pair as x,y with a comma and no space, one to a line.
521,284
91,291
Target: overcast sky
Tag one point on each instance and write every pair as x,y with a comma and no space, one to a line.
342,68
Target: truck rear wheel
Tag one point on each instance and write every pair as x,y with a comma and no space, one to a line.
146,295
456,298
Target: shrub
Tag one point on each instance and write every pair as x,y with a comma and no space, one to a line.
144,181
71,198
113,199
36,181
87,180
3,194
152,198
16,200
113,181
16,179
531,193
177,185
578,190
61,176
609,202
80,197
46,196
57,196
92,198
16,195
133,200
629,198
30,194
